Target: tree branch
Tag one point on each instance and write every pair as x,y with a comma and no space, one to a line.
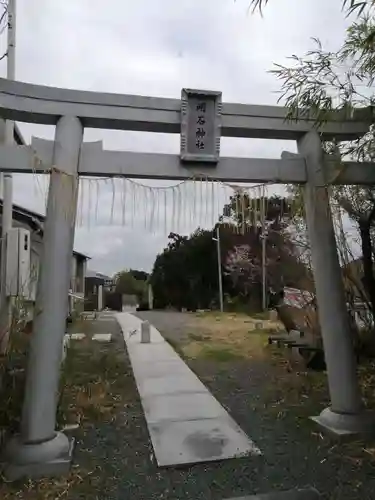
4,14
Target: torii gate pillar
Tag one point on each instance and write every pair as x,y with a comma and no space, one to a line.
39,450
346,415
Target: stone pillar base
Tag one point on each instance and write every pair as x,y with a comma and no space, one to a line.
37,460
346,425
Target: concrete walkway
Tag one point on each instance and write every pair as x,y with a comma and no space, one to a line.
185,422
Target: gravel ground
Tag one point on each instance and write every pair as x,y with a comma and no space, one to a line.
114,461
173,325
295,454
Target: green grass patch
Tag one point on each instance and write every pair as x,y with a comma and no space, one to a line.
220,354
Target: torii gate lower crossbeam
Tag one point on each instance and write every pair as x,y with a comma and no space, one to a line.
40,450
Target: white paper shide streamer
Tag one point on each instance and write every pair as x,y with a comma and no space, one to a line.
179,208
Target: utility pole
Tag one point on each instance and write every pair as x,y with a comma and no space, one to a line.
220,274
264,239
7,187
9,124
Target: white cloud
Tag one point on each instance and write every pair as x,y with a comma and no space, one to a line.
156,48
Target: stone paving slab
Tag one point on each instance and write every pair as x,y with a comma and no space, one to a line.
185,422
177,407
178,384
102,337
207,440
75,336
147,353
88,315
157,369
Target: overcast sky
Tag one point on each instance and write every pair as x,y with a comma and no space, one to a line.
157,47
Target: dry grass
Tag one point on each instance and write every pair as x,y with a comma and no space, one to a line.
94,374
366,374
292,388
237,335
12,380
95,384
289,388
47,489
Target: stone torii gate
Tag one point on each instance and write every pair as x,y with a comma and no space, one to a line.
39,449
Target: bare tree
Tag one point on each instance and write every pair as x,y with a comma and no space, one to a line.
320,82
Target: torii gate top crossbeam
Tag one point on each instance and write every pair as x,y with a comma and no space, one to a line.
39,104
290,169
